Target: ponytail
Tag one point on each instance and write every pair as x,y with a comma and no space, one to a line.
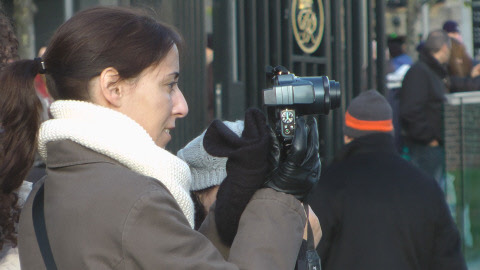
20,111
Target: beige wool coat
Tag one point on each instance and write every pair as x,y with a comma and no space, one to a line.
101,215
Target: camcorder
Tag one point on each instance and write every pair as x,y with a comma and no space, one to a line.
291,97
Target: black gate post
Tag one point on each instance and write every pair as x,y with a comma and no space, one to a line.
228,59
357,47
370,62
189,18
381,44
338,74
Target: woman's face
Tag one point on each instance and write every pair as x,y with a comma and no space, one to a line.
155,101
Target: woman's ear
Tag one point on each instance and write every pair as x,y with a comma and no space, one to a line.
110,87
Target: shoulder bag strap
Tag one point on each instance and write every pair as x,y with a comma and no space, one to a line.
312,258
41,230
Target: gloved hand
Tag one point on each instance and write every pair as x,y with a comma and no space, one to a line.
246,168
299,169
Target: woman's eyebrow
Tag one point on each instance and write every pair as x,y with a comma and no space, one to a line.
175,74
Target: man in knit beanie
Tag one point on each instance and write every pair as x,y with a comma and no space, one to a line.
377,210
367,114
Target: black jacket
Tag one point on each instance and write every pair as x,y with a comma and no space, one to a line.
421,99
463,84
377,211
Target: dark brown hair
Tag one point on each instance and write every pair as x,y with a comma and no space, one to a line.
20,111
18,118
460,63
8,41
97,38
199,208
92,40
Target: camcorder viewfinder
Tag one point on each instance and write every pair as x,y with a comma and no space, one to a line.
291,97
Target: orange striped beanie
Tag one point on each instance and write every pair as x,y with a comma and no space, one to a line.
368,113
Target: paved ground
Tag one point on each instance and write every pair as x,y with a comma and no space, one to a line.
474,265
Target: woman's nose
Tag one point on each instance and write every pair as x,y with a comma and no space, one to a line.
180,106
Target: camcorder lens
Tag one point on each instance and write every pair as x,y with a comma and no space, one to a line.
292,96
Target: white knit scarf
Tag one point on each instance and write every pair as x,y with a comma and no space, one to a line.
119,137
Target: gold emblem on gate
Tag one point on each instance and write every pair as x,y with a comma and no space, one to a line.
308,24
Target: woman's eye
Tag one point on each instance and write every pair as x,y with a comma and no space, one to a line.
172,85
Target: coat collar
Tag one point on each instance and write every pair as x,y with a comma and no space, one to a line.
115,135
68,153
376,142
432,63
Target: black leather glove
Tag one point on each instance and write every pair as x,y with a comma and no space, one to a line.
298,170
246,168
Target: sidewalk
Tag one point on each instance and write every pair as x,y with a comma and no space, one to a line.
474,265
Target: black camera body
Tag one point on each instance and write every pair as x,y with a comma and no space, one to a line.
291,97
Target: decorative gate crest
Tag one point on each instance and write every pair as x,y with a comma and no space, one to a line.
308,24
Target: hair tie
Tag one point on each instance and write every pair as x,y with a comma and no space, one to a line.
41,65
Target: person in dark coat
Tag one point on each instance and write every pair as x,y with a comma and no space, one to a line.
420,105
377,210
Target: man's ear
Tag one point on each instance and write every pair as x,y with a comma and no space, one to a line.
110,86
347,139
